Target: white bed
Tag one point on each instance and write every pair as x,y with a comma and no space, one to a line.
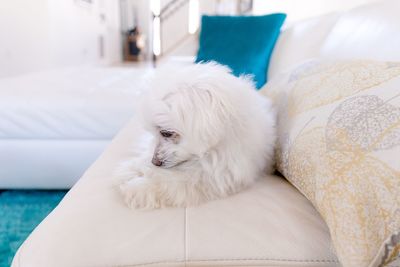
54,124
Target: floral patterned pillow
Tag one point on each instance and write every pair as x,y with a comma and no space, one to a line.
339,144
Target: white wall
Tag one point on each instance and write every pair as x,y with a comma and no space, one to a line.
43,34
23,32
302,9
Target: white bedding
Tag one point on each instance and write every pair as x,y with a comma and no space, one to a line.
54,124
80,103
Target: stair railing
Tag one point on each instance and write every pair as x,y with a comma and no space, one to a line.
160,15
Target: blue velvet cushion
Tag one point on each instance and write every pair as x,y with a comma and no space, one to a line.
243,43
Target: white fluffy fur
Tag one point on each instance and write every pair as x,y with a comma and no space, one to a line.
227,137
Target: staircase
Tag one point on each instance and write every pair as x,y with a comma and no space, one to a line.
169,27
176,22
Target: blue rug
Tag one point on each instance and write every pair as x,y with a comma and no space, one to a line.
20,212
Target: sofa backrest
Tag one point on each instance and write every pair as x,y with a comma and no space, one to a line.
300,42
368,32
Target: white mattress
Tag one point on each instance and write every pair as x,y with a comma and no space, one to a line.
54,124
46,164
79,103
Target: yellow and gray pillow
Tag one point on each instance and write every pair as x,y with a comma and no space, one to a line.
339,144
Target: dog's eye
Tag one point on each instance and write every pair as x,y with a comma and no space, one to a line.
166,134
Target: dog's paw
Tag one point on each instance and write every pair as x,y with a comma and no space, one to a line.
141,194
127,171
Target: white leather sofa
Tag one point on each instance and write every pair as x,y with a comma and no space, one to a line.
271,224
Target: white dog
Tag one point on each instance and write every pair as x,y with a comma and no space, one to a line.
213,135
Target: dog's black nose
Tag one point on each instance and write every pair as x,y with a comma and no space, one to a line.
156,161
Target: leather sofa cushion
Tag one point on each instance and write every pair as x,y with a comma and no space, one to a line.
270,224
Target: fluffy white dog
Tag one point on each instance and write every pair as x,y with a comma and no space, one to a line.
213,135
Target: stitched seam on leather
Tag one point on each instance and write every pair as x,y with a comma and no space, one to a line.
21,248
211,260
184,236
49,139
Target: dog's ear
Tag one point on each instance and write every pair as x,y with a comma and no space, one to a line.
213,113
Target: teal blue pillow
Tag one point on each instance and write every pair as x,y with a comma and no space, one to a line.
243,43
